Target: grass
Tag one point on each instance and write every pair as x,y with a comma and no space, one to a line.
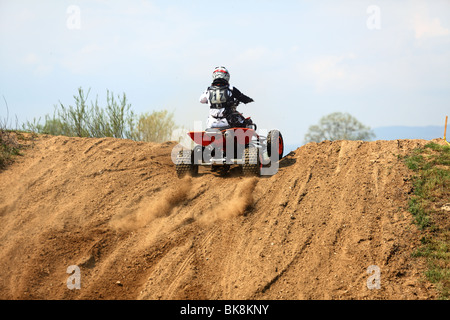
431,165
9,147
116,119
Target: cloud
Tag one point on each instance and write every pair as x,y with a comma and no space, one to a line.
426,19
330,71
39,68
259,54
88,59
30,58
425,27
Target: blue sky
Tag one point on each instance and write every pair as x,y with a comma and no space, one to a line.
385,62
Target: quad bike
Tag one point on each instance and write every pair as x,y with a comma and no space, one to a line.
221,148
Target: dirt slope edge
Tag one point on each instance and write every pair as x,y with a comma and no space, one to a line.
115,209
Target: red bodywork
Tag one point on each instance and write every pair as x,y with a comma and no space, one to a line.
241,135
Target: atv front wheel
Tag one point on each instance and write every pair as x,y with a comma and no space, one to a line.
251,162
221,170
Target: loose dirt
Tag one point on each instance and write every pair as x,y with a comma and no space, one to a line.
116,209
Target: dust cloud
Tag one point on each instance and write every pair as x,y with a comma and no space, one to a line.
152,209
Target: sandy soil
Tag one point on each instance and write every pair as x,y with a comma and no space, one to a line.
116,209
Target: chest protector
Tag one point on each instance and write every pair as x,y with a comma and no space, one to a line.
219,96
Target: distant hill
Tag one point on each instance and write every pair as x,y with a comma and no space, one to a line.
404,132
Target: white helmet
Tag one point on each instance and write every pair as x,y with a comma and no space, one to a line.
221,73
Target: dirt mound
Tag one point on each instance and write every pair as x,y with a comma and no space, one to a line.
116,209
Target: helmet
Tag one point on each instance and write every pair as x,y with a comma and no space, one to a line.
221,73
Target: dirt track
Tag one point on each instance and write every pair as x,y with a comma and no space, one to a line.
116,209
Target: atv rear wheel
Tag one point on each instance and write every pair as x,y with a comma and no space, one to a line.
251,162
184,164
275,142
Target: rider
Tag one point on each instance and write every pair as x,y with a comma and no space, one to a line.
221,98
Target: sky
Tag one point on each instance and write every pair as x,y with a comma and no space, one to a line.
384,62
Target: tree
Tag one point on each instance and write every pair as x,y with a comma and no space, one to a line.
155,127
338,126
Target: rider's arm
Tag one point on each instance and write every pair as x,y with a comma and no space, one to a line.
240,96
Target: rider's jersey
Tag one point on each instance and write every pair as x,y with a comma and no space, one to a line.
218,97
